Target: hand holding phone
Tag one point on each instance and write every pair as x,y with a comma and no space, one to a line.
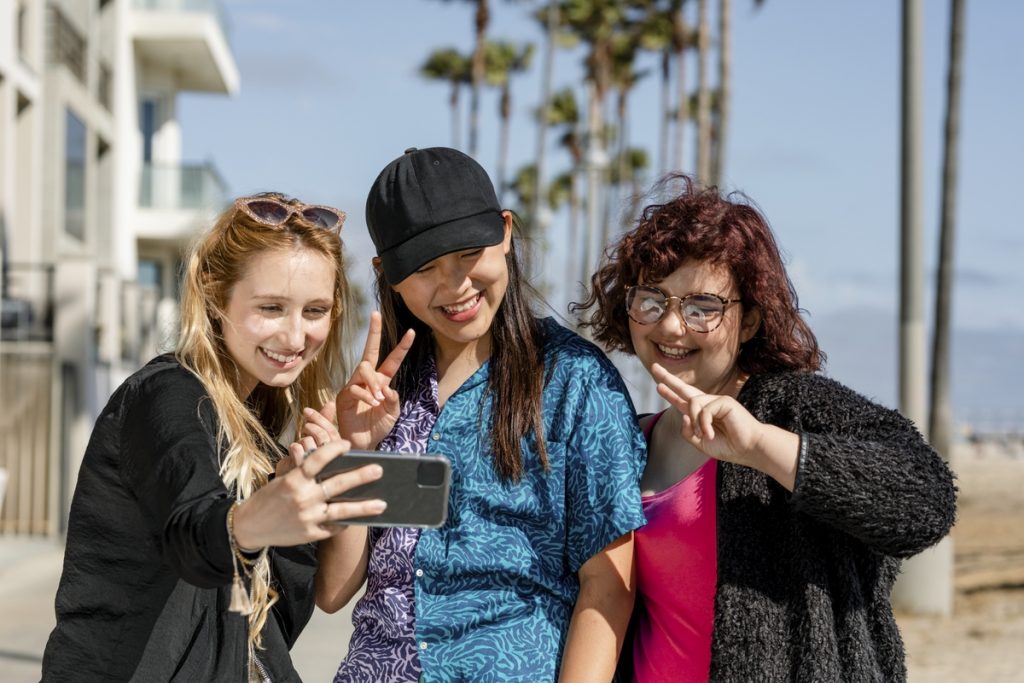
414,486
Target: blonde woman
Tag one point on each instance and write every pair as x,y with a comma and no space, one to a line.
186,559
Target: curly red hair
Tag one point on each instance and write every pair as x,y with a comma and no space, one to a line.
700,224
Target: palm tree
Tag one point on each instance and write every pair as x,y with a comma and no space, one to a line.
449,65
595,23
503,59
655,35
940,411
720,125
703,95
626,170
477,69
625,77
680,42
563,115
549,19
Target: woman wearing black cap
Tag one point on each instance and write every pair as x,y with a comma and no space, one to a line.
531,576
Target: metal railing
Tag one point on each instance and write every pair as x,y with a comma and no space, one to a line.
181,186
26,373
26,302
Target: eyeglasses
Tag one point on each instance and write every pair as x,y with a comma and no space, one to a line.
701,312
275,213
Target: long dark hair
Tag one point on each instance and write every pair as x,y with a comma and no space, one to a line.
701,224
517,375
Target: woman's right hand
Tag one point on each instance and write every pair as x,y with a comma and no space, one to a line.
367,407
294,508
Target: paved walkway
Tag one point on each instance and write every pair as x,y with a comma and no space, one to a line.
29,571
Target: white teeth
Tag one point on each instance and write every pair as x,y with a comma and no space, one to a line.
459,308
673,352
279,358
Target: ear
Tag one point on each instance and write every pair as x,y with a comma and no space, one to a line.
376,263
506,242
750,324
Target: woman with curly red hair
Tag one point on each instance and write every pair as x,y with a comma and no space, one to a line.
779,502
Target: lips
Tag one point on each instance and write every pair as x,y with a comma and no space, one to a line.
461,307
279,357
674,352
464,310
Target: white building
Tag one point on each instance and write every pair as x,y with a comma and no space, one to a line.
95,206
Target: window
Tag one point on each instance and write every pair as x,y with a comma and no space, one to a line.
74,176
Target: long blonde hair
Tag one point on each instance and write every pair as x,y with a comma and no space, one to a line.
248,428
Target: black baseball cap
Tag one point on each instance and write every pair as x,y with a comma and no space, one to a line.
428,203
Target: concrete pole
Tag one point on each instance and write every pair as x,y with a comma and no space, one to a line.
926,583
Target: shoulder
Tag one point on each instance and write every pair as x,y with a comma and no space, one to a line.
164,386
564,347
812,398
793,384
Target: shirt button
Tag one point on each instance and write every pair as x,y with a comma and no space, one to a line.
436,436
423,645
419,572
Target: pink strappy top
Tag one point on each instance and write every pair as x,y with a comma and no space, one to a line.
677,574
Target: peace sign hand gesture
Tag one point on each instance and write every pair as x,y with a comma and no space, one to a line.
721,428
367,407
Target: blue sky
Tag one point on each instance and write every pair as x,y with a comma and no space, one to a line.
330,93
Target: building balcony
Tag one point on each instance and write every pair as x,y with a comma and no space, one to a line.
188,38
176,200
26,302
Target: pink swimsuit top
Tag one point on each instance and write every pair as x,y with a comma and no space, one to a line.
676,564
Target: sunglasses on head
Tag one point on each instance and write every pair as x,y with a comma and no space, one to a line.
275,213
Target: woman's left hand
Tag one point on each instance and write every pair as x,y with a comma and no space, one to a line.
318,429
721,428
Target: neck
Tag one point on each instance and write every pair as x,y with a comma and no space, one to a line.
463,359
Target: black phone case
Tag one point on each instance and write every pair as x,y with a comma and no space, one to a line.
415,487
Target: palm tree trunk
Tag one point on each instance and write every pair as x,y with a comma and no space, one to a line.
724,89
539,215
505,115
940,410
453,101
574,265
703,95
663,110
682,98
477,78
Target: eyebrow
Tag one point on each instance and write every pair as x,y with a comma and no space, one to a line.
278,297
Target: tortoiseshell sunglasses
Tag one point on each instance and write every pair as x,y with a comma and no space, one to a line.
274,213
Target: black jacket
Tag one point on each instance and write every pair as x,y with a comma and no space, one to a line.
804,579
147,567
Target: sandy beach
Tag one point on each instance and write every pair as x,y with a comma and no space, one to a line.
984,639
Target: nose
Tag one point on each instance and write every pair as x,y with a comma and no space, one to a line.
672,320
454,273
295,331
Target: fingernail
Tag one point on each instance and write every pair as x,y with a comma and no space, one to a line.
376,471
379,395
377,506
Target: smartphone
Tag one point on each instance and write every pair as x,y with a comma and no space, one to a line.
414,485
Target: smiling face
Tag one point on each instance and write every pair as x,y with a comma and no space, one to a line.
457,295
278,316
708,361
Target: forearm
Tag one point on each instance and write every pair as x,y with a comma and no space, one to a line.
601,615
342,568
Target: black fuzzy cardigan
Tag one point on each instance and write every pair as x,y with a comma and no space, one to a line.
804,579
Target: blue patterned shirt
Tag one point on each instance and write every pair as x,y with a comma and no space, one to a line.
489,595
